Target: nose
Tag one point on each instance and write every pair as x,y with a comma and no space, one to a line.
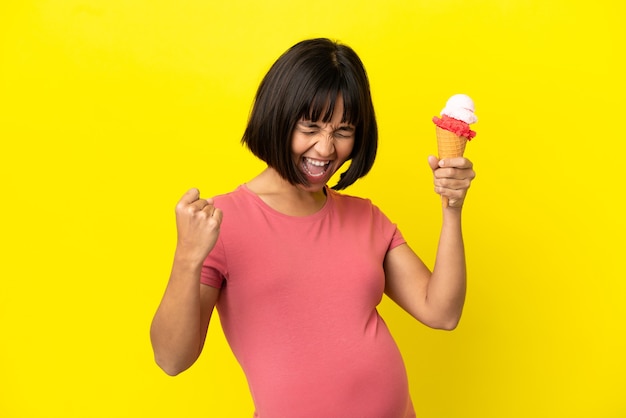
325,146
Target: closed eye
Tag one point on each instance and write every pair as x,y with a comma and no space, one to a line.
346,132
312,128
308,128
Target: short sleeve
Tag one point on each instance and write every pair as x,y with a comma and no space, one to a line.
397,239
214,270
388,229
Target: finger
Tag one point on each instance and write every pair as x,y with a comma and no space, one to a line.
456,162
433,162
455,203
191,196
208,208
213,213
200,204
205,205
217,215
455,173
451,194
453,183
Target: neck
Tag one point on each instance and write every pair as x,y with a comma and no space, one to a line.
279,194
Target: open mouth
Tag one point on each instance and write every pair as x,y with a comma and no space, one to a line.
315,168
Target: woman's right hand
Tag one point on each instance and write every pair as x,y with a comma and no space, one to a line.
198,226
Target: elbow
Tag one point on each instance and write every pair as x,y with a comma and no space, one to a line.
446,324
173,360
169,366
446,319
171,371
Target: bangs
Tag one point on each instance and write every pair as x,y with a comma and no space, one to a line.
324,99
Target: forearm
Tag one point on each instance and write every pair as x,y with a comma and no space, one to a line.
177,330
447,286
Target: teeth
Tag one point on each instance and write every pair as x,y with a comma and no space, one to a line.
320,171
316,162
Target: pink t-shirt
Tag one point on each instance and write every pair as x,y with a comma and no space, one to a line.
298,307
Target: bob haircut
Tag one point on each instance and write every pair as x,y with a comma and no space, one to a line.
304,84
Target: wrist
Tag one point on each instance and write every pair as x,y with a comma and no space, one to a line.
452,214
188,260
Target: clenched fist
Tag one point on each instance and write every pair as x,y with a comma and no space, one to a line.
198,226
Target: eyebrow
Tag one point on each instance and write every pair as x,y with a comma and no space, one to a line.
310,124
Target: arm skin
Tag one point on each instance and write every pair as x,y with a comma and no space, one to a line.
181,321
435,298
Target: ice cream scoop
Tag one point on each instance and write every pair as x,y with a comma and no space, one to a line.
460,107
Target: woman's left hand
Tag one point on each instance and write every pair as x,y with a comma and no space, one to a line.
452,178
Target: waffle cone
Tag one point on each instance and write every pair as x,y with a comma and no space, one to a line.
449,145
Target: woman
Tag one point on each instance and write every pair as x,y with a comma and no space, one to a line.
295,268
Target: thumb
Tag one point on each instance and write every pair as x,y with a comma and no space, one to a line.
433,162
191,196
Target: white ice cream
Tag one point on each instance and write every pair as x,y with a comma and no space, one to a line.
460,107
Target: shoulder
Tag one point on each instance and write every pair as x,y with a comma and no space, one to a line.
350,202
364,215
356,207
236,198
347,198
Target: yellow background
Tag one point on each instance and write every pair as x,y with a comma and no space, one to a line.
110,110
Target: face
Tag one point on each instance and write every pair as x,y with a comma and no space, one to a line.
319,149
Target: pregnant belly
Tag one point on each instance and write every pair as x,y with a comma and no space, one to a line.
345,378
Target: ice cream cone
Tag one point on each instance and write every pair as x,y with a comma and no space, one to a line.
449,145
